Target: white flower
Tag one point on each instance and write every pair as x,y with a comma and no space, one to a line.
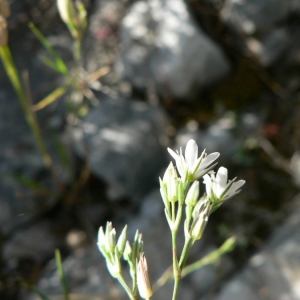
217,187
191,166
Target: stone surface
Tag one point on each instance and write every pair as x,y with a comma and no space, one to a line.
37,242
86,275
250,16
274,272
19,158
162,47
125,144
270,47
265,24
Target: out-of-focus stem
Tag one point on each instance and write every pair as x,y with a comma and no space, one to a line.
30,116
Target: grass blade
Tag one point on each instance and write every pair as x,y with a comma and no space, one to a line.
31,119
33,288
61,274
59,63
52,97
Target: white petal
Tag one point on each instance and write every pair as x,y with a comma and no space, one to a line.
209,159
191,153
101,237
234,189
236,185
222,176
173,154
208,184
181,165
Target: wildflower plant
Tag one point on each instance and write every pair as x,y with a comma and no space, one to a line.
180,193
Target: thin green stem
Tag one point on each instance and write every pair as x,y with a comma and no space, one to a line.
185,252
126,287
175,289
210,258
77,51
13,75
176,269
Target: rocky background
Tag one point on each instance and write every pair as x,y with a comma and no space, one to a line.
223,72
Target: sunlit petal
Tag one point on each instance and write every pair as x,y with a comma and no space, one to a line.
209,159
191,153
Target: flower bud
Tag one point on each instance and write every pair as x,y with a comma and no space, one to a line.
3,31
110,234
122,241
200,220
114,266
137,246
65,8
4,9
74,16
193,194
143,282
101,240
127,252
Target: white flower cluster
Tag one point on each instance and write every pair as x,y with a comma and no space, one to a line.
192,167
179,188
184,188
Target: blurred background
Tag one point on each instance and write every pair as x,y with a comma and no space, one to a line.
151,74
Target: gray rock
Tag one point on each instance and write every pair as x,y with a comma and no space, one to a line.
274,272
38,243
267,38
269,48
86,275
100,39
124,142
250,16
19,158
161,46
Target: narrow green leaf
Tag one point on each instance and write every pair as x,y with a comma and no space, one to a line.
31,184
59,63
48,62
33,288
13,75
52,97
61,274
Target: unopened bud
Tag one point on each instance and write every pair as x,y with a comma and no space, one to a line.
127,252
4,9
64,8
73,15
143,281
3,32
200,220
110,237
122,241
114,266
193,194
137,246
